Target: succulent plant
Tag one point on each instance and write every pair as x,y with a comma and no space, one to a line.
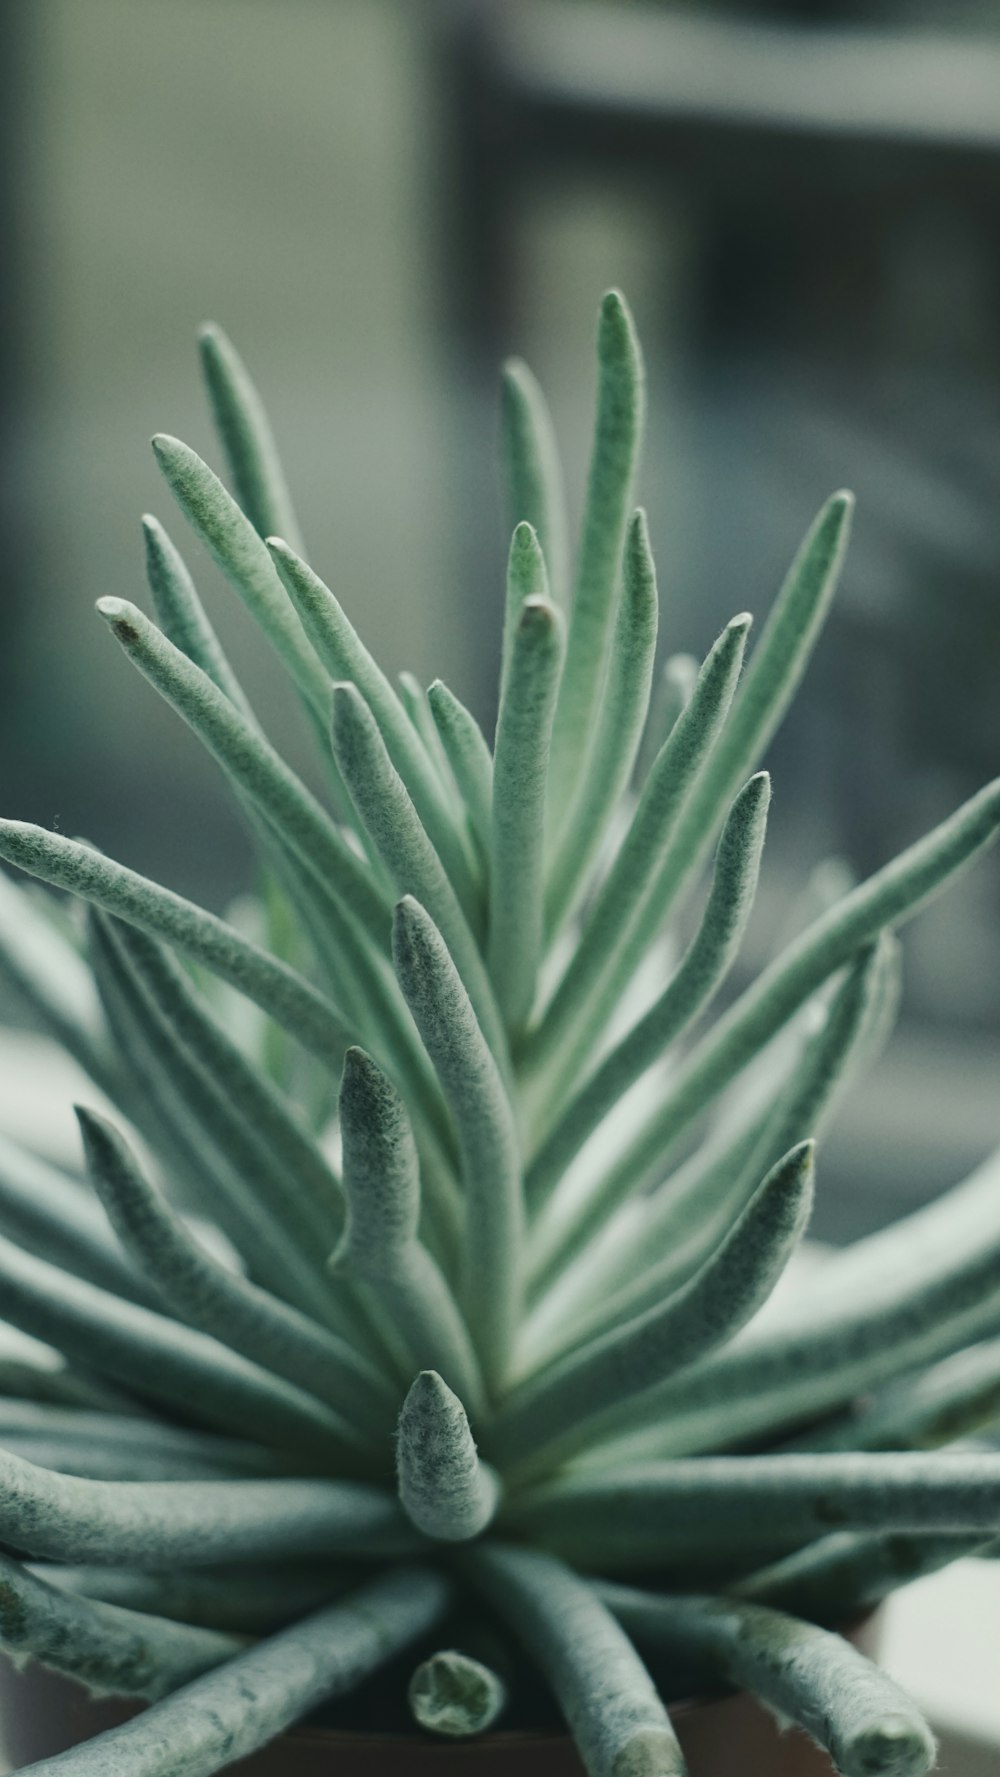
400,1287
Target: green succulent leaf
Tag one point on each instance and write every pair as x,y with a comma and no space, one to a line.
381,1246
743,1503
182,616
284,1339
533,471
445,1489
617,439
346,658
858,1715
113,1652
701,973
454,1695
153,1524
246,435
231,539
620,722
550,1417
620,1726
520,774
242,1705
474,1090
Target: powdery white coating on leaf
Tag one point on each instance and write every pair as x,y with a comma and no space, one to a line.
484,1120
381,1244
444,1487
584,1395
240,552
511,1229
533,470
455,1695
276,988
625,902
857,1714
520,775
617,441
196,1523
346,659
245,431
618,1722
113,1652
582,827
244,1704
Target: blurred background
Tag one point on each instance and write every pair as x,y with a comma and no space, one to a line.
379,199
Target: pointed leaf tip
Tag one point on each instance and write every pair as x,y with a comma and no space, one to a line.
614,305
444,1488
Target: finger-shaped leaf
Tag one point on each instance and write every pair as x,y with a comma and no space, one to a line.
46,1212
391,821
182,616
98,1460
43,1379
230,537
135,1429
552,1415
582,828
954,1399
246,436
414,700
895,893
670,695
239,1707
702,971
644,1512
533,471
520,776
380,1247
113,1652
483,1116
527,582
153,1524
575,1017
49,976
277,989
250,1092
281,1234
468,756
775,670
857,1714
162,1360
777,665
445,1488
617,439
206,1294
251,762
898,1321
840,1577
608,1698
685,1218
346,658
